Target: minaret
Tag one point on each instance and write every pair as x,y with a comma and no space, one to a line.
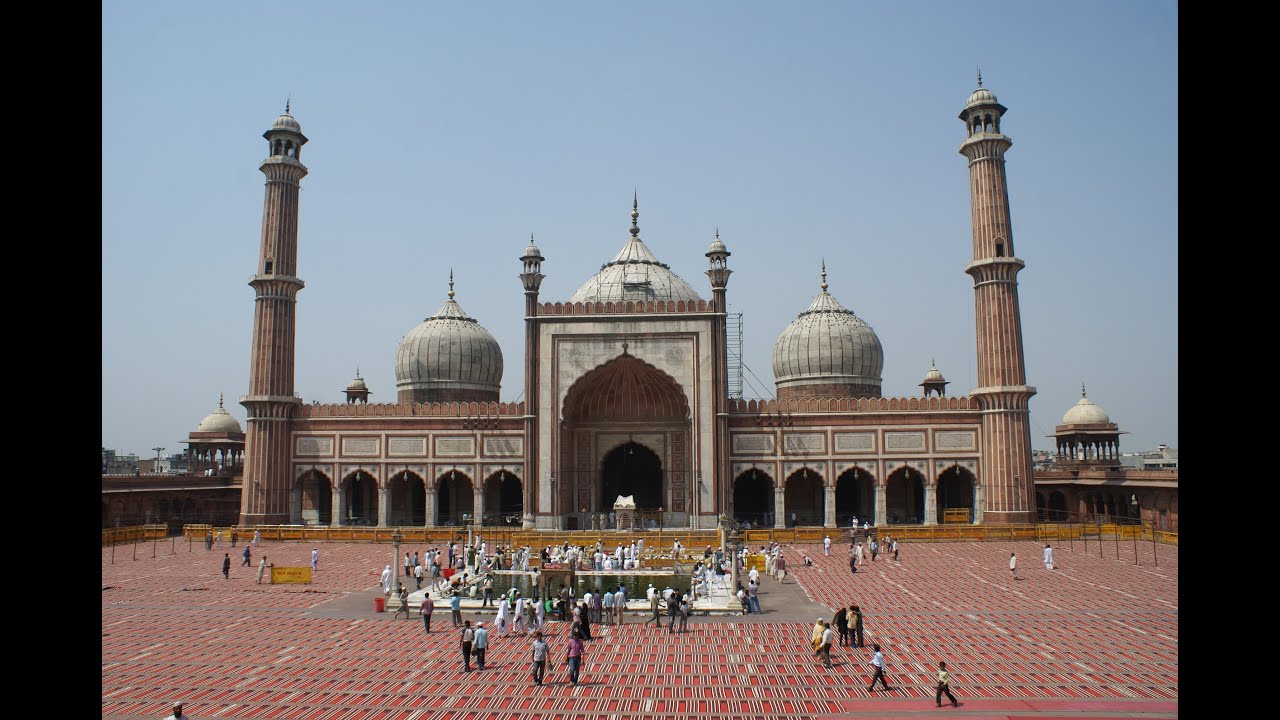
264,499
1002,394
718,257
531,278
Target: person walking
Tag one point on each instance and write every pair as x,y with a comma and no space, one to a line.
877,661
234,537
315,559
404,603
417,575
620,604
573,657
841,621
826,546
208,540
1048,557
468,637
518,615
780,567
455,610
504,613
685,608
673,609
385,580
539,614
753,595
607,603
539,655
875,549
824,646
226,566
857,625
479,644
1013,566
653,605
487,587
262,568
944,685
257,537
408,565
217,539
427,607
245,562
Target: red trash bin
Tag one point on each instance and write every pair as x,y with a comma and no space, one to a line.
379,604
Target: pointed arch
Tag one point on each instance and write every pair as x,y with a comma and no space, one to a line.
753,498
316,496
455,498
503,499
956,489
855,496
805,498
904,497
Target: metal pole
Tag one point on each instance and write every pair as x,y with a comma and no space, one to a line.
1155,559
1085,537
113,552
135,547
1099,538
173,545
154,541
1135,544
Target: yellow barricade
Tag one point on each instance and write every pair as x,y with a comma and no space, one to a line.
290,575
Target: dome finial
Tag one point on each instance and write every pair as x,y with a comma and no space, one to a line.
979,77
932,363
357,371
824,275
635,214
450,283
220,401
287,100
1082,390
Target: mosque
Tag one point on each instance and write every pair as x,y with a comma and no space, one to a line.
626,394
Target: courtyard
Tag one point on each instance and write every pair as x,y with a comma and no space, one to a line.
1097,637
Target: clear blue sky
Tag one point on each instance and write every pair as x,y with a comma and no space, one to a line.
443,134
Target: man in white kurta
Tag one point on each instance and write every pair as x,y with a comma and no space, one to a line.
1048,557
754,574
385,580
504,614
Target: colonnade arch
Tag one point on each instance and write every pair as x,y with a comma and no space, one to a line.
407,500
956,489
503,499
455,498
314,498
855,496
359,497
904,497
753,498
805,498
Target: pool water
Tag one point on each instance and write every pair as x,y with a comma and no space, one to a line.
635,583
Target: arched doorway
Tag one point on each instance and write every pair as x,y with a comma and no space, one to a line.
904,498
316,497
1042,507
360,499
631,469
855,496
408,501
503,499
955,491
626,431
1057,510
753,498
454,499
804,498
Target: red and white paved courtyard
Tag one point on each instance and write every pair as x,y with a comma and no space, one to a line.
1096,638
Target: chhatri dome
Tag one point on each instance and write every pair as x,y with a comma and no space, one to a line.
634,274
286,122
827,351
219,421
1085,411
449,357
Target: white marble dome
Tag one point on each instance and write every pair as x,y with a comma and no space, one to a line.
449,351
286,122
1085,411
828,344
981,96
219,421
634,274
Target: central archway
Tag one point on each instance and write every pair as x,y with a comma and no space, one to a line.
626,431
753,498
631,469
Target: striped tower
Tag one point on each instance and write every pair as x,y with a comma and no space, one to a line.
270,403
1002,395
